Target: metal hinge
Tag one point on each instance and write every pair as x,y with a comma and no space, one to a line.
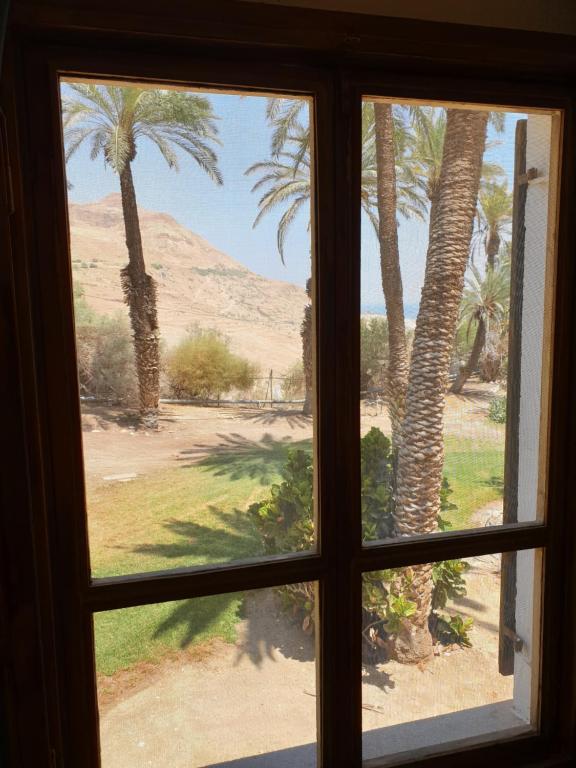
517,642
530,175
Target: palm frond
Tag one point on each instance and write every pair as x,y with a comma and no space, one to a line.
120,115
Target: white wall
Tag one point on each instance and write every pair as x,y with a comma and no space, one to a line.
531,440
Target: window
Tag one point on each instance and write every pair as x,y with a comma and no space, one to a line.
299,405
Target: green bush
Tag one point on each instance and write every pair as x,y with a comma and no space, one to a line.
373,352
497,410
202,366
105,354
285,522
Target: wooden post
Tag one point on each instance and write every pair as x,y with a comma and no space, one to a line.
508,569
271,385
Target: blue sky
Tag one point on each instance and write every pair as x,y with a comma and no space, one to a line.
224,214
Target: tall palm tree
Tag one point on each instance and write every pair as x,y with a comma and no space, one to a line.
485,304
113,120
421,453
390,142
285,180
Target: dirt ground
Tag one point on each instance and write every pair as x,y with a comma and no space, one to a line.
261,691
115,449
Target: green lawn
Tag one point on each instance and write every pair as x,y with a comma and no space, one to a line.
475,471
195,514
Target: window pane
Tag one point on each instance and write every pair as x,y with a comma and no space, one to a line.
458,212
450,652
191,251
228,680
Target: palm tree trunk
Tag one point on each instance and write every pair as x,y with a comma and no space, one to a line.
307,354
397,374
421,455
140,295
467,370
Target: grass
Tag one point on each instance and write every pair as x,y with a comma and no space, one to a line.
475,471
187,516
195,514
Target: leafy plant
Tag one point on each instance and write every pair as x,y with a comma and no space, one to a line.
497,410
285,522
453,630
202,365
104,354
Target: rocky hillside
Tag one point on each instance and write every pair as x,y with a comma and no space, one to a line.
197,284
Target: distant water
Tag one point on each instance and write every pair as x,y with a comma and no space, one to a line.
410,310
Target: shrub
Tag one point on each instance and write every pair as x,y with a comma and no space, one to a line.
497,410
373,352
203,366
105,354
284,521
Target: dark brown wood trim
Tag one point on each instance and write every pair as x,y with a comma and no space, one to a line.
444,546
558,693
350,35
126,591
244,45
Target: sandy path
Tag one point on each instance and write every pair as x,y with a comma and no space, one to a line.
260,691
113,447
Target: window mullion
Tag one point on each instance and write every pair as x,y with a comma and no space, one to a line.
428,549
338,280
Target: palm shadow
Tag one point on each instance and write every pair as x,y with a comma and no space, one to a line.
195,616
496,482
268,629
292,419
264,627
194,543
238,457
107,416
372,675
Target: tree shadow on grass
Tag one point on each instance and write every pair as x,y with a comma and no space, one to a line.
291,418
195,544
496,482
264,627
195,617
237,457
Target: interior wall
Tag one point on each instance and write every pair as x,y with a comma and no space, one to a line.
535,15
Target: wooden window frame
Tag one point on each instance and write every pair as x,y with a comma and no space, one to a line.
336,58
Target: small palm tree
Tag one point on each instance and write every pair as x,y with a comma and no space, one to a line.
113,120
425,161
495,214
484,304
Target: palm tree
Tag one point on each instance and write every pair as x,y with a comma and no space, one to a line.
421,453
390,142
485,304
285,179
494,214
113,120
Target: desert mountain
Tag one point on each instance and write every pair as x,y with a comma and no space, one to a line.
197,284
